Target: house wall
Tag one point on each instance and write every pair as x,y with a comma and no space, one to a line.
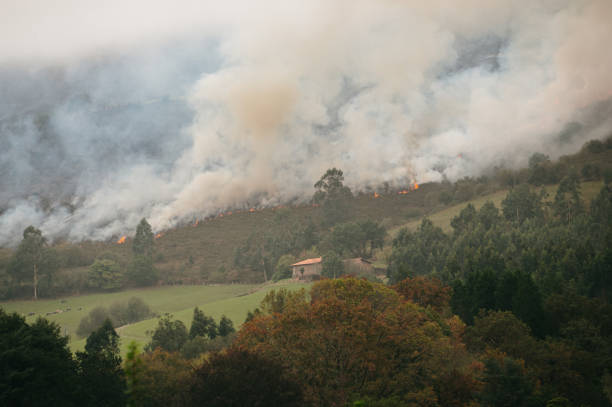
310,270
357,266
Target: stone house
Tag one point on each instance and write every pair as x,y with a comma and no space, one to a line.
308,270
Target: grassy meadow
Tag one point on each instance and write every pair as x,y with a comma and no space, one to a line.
233,300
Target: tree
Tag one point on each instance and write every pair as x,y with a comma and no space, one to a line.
141,271
33,257
102,377
332,265
354,339
142,244
36,365
332,195
521,204
283,267
567,204
506,384
169,335
425,292
466,219
105,274
157,378
202,325
239,378
226,326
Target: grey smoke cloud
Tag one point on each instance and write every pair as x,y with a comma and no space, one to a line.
121,110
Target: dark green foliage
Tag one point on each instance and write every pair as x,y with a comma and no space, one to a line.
34,260
142,244
465,220
419,253
283,267
142,272
332,265
590,172
169,335
506,384
239,378
226,326
521,204
567,204
355,239
202,325
333,196
36,366
102,379
504,291
595,146
252,314
105,274
264,248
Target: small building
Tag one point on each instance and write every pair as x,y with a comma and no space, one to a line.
309,269
358,266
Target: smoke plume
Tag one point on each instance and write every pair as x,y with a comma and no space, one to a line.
112,111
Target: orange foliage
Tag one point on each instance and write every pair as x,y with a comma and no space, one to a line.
425,291
355,337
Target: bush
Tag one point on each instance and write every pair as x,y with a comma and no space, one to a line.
92,321
134,310
120,313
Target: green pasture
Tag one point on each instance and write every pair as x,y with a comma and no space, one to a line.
233,300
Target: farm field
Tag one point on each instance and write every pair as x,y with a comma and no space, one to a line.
233,300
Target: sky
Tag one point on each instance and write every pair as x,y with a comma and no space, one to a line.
113,111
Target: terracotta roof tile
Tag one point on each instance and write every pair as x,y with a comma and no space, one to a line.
308,261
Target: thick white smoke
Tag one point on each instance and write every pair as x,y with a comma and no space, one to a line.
175,111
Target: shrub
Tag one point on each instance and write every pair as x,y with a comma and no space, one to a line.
92,321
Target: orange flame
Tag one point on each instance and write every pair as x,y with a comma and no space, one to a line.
121,240
157,236
197,222
403,192
252,210
416,186
376,195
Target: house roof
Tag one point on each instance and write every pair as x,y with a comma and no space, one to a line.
308,261
361,259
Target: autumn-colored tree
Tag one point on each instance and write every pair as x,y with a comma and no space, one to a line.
425,292
355,339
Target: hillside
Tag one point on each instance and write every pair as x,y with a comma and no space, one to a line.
203,251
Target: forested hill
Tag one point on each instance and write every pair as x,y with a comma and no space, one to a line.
246,246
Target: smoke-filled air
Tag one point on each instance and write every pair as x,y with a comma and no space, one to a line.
113,111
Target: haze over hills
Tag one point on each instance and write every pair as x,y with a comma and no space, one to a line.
204,107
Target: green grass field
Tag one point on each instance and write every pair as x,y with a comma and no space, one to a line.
233,300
